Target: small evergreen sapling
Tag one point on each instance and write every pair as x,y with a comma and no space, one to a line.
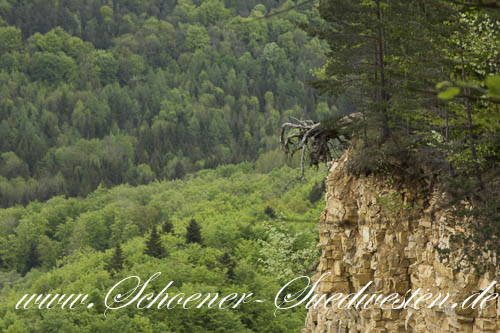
269,211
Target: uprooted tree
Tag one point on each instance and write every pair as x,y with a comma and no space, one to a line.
322,139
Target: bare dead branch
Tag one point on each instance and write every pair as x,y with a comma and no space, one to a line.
479,4
316,137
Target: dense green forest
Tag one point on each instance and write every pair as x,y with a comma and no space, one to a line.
139,136
111,92
142,136
253,237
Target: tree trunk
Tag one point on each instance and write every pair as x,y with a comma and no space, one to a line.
472,144
381,64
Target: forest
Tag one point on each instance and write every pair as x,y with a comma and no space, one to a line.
226,230
139,136
112,92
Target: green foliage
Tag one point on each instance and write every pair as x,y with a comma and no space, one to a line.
280,245
72,257
51,67
449,93
100,94
32,260
10,39
11,166
230,264
167,227
196,38
393,205
493,84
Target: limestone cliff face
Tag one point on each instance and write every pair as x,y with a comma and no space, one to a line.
383,229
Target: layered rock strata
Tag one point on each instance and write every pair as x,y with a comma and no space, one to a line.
386,230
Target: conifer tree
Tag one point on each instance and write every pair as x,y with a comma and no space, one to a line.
193,234
33,259
317,192
153,245
230,273
269,211
116,263
168,227
229,263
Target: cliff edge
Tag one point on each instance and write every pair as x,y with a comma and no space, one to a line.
389,230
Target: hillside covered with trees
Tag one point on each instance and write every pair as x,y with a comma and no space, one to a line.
112,92
139,136
142,136
226,230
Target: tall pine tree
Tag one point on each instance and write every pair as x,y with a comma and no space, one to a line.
228,263
116,263
384,56
193,233
153,245
381,56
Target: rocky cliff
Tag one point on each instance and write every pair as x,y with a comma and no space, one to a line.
386,230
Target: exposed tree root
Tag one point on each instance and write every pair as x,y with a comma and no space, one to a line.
320,138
